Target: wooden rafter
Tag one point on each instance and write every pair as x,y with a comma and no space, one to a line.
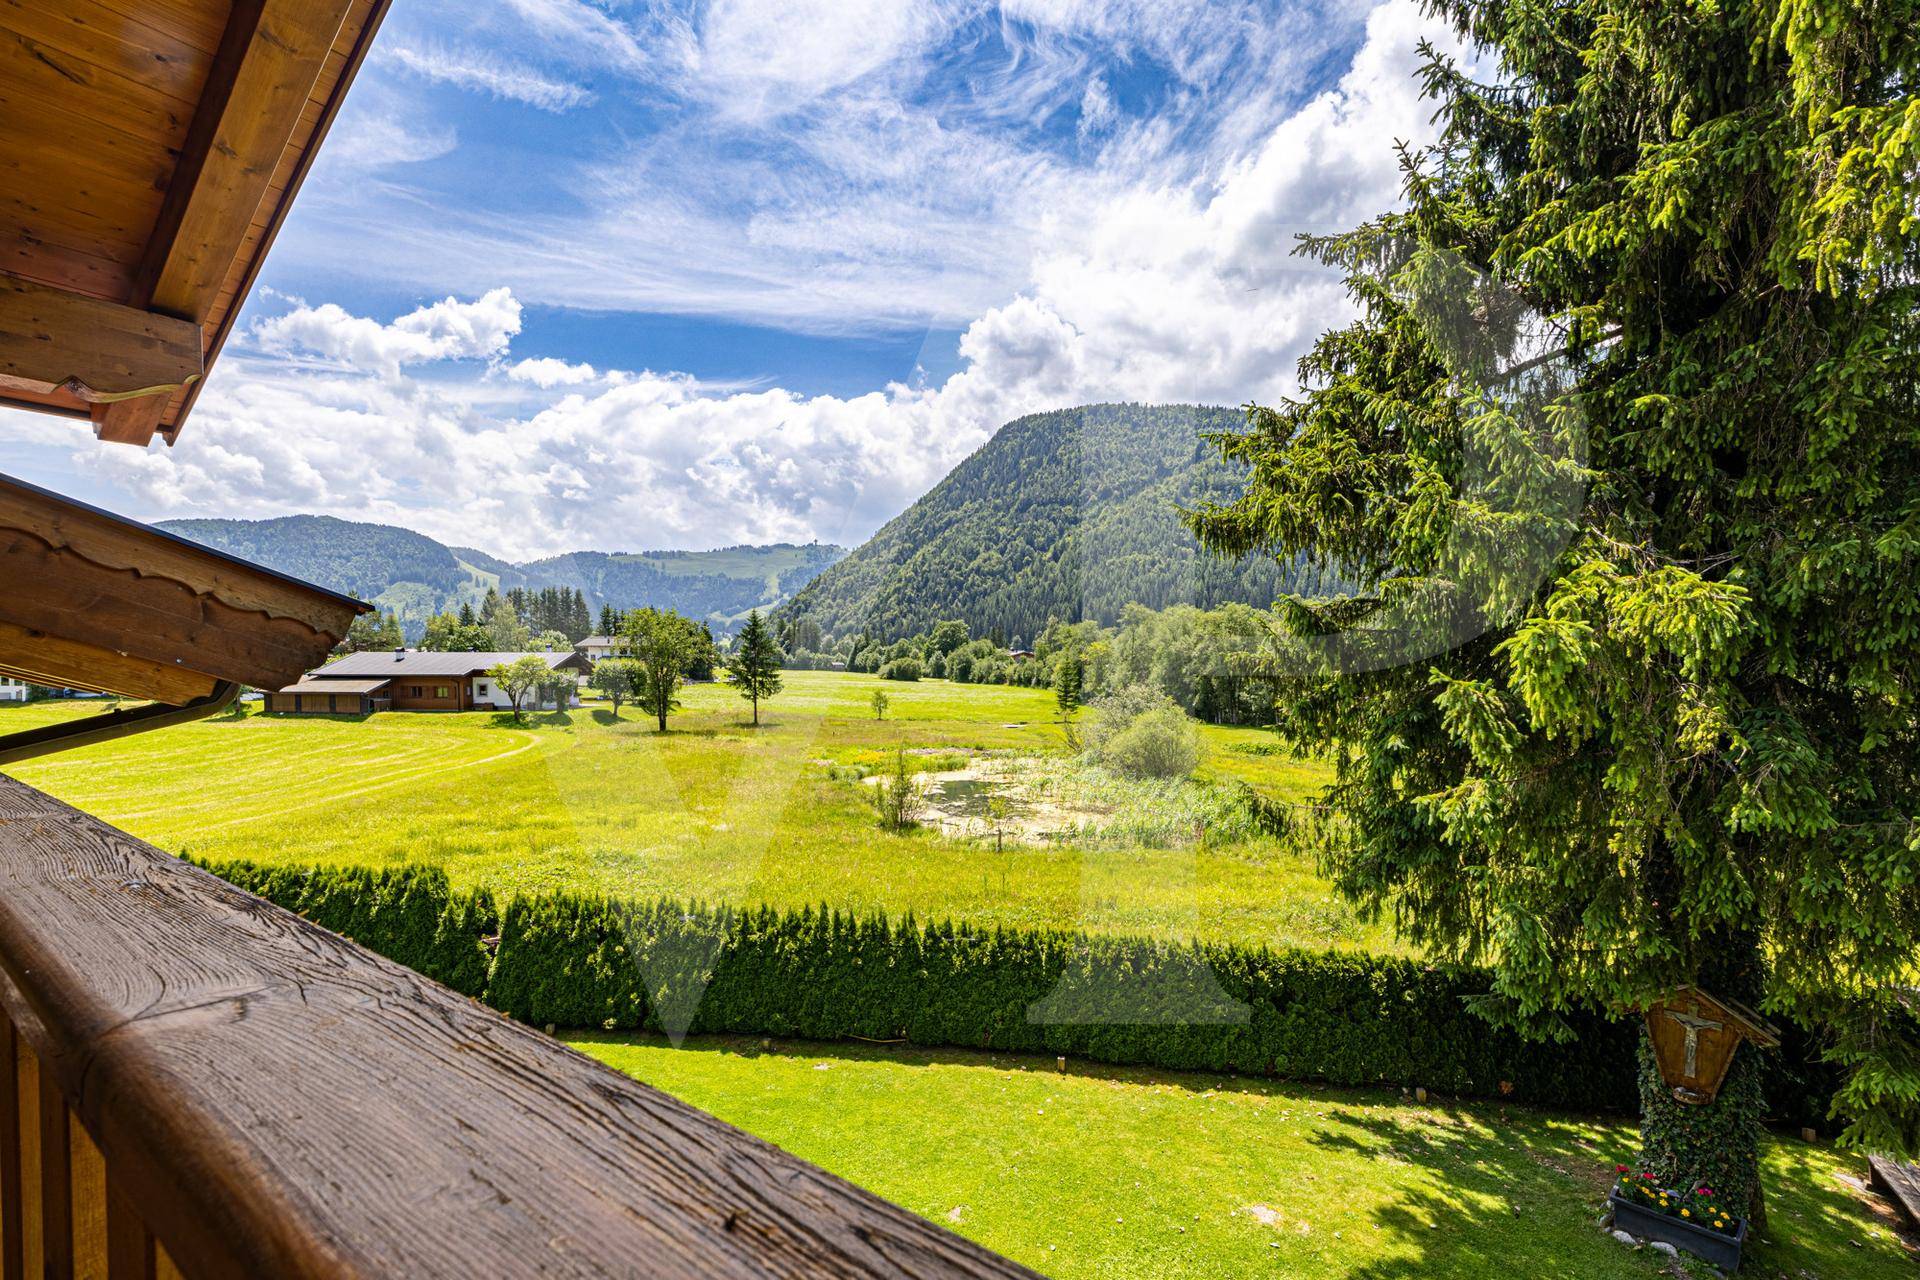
39,658
269,59
149,155
98,602
99,352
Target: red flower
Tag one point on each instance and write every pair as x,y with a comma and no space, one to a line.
1619,1168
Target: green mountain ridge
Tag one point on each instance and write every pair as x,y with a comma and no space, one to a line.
1069,515
415,576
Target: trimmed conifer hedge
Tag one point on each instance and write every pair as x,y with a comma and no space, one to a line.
408,914
591,962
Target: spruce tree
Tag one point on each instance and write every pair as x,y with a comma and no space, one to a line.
1069,679
1623,453
754,665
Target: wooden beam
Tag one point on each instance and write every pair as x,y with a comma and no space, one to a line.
114,543
129,421
99,351
281,1102
59,593
59,663
270,57
11,1258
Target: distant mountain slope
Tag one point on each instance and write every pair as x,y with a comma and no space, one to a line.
343,555
1067,515
720,586
416,577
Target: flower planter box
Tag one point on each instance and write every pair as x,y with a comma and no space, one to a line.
1723,1251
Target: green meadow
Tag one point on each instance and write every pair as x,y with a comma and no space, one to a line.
714,809
1111,1173
1108,1173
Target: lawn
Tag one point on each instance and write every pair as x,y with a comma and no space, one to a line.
1116,1173
713,810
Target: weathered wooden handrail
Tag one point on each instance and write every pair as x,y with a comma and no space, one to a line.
196,1082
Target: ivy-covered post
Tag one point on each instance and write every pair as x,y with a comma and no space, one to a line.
1714,1144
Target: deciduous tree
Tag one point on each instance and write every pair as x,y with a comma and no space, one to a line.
662,643
616,680
520,679
371,632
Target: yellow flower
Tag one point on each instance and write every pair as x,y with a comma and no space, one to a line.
1686,1213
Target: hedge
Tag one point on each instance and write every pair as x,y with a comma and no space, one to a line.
408,914
592,962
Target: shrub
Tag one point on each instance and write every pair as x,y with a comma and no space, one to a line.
901,669
1116,709
897,798
409,914
1160,744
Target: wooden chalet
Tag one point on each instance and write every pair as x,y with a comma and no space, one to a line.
194,1082
410,680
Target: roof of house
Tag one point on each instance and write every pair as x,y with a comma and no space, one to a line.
310,685
418,662
599,642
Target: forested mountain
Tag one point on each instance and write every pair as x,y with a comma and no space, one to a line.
416,577
719,587
1070,515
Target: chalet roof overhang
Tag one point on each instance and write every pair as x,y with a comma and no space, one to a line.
151,153
95,601
336,686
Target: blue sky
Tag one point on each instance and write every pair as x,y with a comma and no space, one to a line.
592,273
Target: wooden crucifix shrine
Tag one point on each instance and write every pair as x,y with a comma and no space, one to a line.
1694,1037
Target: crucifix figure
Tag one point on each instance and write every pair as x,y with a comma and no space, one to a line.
1694,1024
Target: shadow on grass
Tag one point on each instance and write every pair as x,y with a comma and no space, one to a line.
902,1053
1511,1191
1515,1183
1535,1167
529,719
1823,1222
343,717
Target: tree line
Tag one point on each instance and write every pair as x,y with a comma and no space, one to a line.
1223,665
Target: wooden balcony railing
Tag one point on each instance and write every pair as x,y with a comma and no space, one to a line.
194,1082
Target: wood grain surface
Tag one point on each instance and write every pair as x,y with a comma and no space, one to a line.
274,1100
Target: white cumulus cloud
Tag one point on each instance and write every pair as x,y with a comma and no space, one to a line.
1158,292
446,330
548,372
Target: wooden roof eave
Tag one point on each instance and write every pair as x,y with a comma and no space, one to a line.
114,300
98,602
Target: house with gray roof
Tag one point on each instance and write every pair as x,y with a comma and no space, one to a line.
409,680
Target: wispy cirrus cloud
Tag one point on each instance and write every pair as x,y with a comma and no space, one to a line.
838,166
475,70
